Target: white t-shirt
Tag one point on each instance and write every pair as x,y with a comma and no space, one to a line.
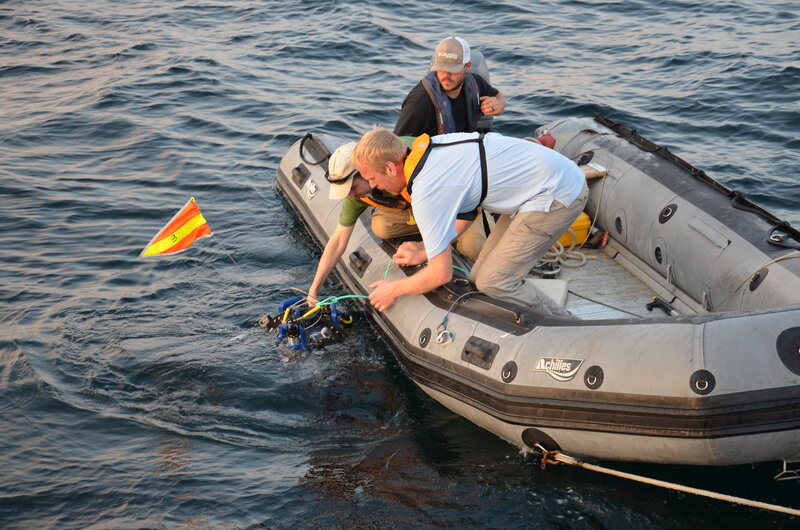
523,176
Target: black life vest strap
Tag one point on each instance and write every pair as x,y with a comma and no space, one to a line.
484,170
396,203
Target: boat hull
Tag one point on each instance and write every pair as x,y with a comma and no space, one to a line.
704,388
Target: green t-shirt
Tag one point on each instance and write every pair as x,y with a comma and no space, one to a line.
353,208
351,211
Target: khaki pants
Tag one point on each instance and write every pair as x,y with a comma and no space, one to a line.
514,247
388,224
472,240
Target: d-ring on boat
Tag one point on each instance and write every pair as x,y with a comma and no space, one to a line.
714,379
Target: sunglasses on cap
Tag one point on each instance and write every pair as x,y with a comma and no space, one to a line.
340,180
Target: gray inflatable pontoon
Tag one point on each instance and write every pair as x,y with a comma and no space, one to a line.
713,379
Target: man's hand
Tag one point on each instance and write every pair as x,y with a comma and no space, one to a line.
592,173
410,253
438,272
491,105
384,294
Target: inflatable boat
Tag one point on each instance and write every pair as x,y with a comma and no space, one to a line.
686,349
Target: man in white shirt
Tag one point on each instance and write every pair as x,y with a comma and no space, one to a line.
537,191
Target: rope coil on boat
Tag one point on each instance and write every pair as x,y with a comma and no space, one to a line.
559,256
563,256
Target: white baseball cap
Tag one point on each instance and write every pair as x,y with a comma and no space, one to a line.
341,171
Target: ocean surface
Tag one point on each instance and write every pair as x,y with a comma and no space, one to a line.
141,393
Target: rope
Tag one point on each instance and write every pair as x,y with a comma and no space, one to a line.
558,457
225,250
456,267
443,336
598,302
289,309
457,300
599,207
558,254
334,299
761,268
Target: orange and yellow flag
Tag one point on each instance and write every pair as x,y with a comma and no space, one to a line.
185,228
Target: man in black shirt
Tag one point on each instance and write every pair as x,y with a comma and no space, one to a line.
450,98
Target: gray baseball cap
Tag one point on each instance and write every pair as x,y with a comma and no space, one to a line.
450,55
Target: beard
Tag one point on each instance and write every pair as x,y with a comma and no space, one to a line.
454,87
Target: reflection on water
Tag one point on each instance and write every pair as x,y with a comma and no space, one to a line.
174,455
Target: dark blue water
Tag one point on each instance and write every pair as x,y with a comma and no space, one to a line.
141,393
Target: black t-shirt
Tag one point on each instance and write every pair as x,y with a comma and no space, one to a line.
418,114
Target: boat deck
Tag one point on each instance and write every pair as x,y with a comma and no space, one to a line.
603,289
598,290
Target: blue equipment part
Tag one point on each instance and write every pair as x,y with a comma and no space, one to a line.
339,317
290,302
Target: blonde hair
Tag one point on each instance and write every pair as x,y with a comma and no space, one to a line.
377,147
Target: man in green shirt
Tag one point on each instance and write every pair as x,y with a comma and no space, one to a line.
391,217
347,184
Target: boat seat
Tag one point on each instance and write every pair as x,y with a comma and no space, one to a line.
554,288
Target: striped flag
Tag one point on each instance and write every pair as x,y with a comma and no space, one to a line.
185,228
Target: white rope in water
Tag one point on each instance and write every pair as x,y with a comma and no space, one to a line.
552,456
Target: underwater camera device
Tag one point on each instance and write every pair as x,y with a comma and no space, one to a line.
301,327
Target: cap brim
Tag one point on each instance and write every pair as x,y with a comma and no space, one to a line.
340,191
452,68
